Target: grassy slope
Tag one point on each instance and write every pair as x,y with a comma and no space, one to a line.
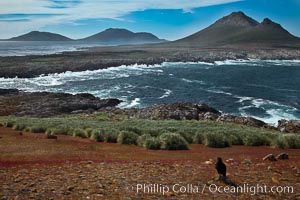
213,134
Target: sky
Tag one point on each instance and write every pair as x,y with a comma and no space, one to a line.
167,19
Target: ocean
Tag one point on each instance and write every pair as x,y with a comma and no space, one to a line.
266,90
19,48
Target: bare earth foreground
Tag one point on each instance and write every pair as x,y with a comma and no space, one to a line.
33,167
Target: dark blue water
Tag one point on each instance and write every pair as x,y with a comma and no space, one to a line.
268,90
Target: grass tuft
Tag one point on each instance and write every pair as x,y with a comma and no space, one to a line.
216,140
127,137
173,141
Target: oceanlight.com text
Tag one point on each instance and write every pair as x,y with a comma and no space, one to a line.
212,188
251,189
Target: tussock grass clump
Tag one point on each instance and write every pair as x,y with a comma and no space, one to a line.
199,138
216,140
287,141
37,129
172,129
256,140
187,134
142,139
99,135
132,129
62,131
79,133
88,132
173,141
112,135
236,139
154,132
10,124
19,127
127,137
152,143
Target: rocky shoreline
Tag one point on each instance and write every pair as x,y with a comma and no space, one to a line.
105,57
45,104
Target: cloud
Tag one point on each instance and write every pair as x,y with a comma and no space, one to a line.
63,4
66,11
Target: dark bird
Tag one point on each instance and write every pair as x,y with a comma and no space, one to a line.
221,167
20,133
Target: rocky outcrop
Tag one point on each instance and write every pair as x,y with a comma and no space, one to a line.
8,91
186,111
177,111
45,104
286,126
209,116
270,157
248,121
282,156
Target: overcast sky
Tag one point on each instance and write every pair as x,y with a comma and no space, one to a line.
168,19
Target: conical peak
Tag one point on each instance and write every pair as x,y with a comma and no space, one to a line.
237,19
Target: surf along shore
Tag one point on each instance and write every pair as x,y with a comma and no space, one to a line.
105,57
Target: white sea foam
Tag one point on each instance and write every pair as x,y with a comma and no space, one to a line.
274,111
57,79
193,81
258,62
283,62
133,103
164,64
274,115
166,94
219,92
250,62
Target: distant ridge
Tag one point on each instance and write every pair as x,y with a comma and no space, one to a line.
40,36
108,36
123,36
237,29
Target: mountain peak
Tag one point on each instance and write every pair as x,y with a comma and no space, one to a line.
123,36
239,29
237,19
40,36
267,21
116,29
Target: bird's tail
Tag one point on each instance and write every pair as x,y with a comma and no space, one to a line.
227,181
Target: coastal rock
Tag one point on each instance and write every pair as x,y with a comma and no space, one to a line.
208,116
282,156
289,126
226,118
45,104
8,91
53,137
177,111
270,157
248,121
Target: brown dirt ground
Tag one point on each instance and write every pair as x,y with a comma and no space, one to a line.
33,167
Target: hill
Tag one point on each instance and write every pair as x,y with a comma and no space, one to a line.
237,29
123,36
40,36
